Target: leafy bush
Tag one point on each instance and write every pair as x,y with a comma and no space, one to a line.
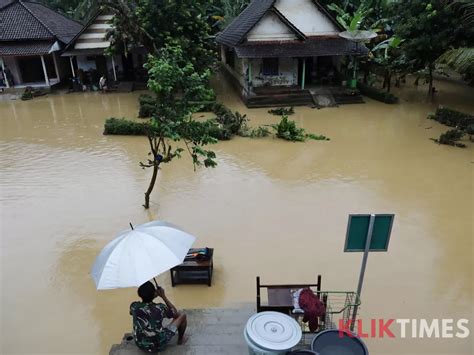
218,131
147,106
205,106
377,94
229,121
470,131
27,95
121,126
282,111
451,137
30,93
288,130
257,132
452,118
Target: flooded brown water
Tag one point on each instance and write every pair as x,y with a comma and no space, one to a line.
271,208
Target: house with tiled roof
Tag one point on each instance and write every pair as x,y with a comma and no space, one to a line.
32,37
87,53
279,52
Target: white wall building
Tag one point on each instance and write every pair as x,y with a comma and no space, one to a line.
283,46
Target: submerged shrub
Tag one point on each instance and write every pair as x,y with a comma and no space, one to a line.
377,94
451,137
288,130
147,106
283,111
452,118
121,126
30,93
232,122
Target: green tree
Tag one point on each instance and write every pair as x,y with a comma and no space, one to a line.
429,29
462,59
176,85
154,24
79,10
226,11
387,56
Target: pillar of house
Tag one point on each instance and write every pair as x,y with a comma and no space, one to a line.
72,67
249,79
4,74
45,72
56,69
113,68
303,79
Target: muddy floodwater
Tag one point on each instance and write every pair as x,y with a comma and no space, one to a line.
271,208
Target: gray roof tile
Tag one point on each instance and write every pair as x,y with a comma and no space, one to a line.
25,20
242,24
309,48
25,48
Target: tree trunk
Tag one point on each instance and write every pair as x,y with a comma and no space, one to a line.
389,80
430,78
152,185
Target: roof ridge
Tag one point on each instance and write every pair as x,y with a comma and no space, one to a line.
7,4
21,2
244,22
55,11
288,23
328,14
84,28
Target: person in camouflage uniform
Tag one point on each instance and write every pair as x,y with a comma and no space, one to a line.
148,331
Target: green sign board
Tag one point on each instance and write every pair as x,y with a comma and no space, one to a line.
358,228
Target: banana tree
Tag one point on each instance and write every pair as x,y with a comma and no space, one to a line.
385,58
351,22
354,26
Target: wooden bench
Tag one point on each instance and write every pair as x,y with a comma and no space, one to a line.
194,271
279,296
280,299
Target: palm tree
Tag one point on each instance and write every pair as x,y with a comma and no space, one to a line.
461,59
228,10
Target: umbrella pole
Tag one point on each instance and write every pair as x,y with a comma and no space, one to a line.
131,226
156,283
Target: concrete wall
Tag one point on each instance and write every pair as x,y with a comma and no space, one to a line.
271,28
64,67
11,63
85,64
287,73
239,72
307,17
118,65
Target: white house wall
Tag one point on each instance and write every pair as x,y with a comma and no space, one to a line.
94,35
307,17
84,64
270,28
287,73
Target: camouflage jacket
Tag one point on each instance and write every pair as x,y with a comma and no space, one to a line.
148,328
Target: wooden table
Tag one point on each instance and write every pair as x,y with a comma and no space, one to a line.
193,272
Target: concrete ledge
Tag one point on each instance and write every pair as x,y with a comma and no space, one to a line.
210,331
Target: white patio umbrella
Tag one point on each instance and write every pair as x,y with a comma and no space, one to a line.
140,254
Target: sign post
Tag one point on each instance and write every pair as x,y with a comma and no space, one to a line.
366,233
